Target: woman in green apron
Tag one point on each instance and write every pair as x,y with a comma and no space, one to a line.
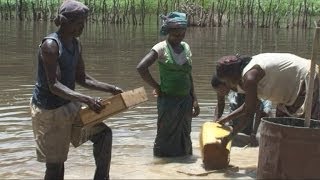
176,99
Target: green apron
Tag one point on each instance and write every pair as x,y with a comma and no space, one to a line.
175,79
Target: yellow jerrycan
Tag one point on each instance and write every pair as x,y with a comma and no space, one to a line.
214,155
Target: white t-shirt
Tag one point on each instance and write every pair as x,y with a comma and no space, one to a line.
284,74
163,56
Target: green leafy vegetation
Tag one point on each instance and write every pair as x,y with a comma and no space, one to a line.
247,13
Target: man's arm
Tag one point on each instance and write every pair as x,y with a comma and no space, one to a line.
49,54
85,80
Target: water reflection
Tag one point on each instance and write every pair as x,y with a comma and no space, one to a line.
111,54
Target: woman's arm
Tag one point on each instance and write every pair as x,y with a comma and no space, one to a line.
218,111
257,119
195,105
233,115
143,69
247,109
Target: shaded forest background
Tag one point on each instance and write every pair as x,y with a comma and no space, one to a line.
244,13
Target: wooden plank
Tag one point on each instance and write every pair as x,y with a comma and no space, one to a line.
309,96
131,98
114,105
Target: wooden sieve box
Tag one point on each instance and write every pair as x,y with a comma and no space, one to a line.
113,105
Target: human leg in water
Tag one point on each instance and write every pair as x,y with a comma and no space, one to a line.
102,145
54,171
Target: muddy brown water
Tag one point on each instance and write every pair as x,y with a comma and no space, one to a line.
111,54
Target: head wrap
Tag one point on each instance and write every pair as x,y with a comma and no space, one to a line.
71,10
225,65
173,20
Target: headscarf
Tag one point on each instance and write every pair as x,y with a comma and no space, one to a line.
71,10
173,20
225,64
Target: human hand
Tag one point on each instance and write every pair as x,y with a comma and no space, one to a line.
95,104
116,90
221,121
156,92
215,119
196,109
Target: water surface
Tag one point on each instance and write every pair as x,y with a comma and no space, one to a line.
111,54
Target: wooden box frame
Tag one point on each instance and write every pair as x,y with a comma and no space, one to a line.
113,105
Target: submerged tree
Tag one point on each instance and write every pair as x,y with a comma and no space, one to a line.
244,13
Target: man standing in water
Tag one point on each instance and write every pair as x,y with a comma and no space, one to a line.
55,105
177,101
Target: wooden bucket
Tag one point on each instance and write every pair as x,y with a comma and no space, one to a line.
288,150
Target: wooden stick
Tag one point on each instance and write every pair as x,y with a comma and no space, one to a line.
311,77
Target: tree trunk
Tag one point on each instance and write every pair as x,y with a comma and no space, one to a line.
20,7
